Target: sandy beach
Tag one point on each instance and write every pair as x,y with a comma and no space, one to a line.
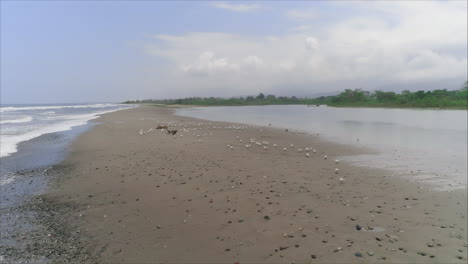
152,197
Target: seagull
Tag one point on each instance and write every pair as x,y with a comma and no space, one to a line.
275,145
265,147
299,150
336,171
325,157
307,155
315,151
292,145
285,149
337,161
341,180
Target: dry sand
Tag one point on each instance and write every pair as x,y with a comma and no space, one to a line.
159,198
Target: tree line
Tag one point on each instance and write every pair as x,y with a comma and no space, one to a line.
353,98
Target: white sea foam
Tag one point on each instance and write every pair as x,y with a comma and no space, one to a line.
23,119
9,143
4,180
11,108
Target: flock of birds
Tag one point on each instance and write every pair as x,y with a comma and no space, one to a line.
199,126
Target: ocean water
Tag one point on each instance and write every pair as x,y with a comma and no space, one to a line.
421,145
20,123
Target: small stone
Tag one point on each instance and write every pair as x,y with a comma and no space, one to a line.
430,245
227,249
338,249
378,239
370,253
459,257
324,241
283,248
266,217
421,253
358,227
313,256
358,254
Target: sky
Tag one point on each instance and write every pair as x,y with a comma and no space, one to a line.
112,51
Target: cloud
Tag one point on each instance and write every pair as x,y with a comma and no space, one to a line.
236,7
394,43
302,14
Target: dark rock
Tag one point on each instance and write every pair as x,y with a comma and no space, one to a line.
358,254
358,227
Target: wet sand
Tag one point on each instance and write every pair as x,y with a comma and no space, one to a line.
154,197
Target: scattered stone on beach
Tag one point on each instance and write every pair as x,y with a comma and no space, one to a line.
313,256
266,217
358,254
370,253
358,227
283,247
338,249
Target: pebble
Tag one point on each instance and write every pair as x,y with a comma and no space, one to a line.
358,227
283,248
370,253
338,249
358,254
313,256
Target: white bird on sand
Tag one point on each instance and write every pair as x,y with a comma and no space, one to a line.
307,155
265,147
275,145
307,149
337,161
228,145
284,149
247,146
315,151
341,180
231,147
292,145
141,132
325,157
337,171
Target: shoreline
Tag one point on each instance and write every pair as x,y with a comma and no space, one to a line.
313,105
159,198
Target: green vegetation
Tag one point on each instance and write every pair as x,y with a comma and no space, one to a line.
455,99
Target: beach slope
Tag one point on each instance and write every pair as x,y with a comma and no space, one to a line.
143,195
